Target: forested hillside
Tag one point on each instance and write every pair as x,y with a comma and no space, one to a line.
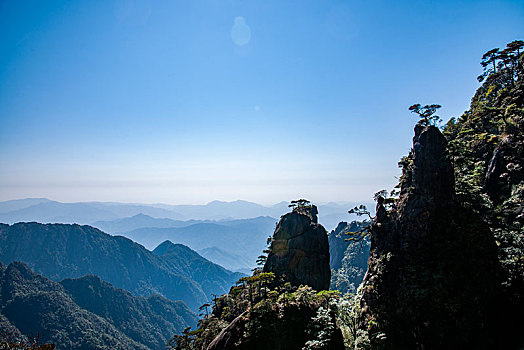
60,251
214,279
37,306
84,313
487,147
149,321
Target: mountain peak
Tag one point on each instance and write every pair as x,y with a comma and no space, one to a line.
169,248
163,247
142,216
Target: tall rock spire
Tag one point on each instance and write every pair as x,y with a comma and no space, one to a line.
299,250
432,272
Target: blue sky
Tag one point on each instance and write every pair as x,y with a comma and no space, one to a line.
192,101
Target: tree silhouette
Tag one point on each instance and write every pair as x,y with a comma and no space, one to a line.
299,204
204,308
496,61
426,114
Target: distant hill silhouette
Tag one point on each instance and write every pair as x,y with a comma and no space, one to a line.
17,204
56,212
230,261
47,211
246,238
139,221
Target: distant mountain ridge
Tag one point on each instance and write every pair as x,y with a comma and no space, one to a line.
60,251
229,260
56,212
48,211
139,221
16,204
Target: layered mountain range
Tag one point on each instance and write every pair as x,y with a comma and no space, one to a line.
231,234
60,251
114,217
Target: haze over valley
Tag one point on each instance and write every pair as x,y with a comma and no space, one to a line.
261,175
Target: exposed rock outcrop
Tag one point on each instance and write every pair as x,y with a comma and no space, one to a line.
348,259
300,251
227,337
432,271
493,183
281,317
337,245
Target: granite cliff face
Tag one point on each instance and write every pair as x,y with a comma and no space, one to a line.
299,251
337,245
348,259
432,272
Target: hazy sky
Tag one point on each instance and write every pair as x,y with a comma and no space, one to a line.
195,100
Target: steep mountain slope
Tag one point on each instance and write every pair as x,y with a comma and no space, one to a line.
8,331
487,147
339,242
213,279
61,251
35,305
150,321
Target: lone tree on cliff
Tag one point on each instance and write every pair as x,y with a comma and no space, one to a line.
300,204
426,114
